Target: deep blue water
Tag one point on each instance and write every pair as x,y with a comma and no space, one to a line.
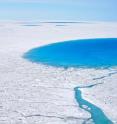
77,53
80,53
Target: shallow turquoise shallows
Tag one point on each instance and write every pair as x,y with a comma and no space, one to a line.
77,53
97,115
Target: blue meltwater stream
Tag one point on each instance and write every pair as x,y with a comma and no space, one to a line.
97,115
87,53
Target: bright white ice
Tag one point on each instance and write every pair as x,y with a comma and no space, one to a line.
37,94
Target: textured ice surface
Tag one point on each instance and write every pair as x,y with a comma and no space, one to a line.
36,94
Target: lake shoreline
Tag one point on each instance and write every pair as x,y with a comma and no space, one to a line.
29,89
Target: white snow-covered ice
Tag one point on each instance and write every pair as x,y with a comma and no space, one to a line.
33,93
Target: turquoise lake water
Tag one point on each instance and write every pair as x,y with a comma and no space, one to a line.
94,53
97,115
77,53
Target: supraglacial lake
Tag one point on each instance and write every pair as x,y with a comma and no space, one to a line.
77,53
94,53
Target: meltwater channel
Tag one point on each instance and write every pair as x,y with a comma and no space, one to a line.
85,53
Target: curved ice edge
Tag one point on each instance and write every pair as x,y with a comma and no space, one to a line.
97,115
